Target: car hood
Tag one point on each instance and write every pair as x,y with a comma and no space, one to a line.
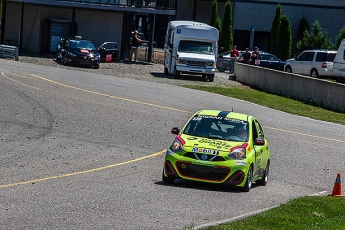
196,57
290,60
207,145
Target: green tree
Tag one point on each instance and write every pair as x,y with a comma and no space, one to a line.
215,19
303,26
285,38
274,42
340,36
316,40
226,40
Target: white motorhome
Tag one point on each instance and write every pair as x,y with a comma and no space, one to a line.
339,63
190,48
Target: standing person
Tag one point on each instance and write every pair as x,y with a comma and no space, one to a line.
246,56
234,54
136,40
255,56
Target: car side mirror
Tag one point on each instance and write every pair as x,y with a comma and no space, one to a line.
259,141
175,130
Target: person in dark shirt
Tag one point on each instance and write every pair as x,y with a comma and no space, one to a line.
246,56
136,40
255,56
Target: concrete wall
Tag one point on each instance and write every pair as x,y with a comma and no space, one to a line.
326,94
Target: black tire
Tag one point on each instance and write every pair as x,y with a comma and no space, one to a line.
263,181
65,62
288,69
57,57
249,181
210,77
220,69
314,73
95,66
177,74
166,71
167,179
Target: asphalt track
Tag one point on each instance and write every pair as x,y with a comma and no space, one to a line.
85,151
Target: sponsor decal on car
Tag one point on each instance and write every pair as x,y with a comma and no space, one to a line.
241,163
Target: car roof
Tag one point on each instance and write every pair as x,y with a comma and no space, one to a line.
320,50
222,113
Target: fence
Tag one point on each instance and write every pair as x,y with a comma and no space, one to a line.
10,52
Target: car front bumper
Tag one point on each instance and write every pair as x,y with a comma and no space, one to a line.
229,172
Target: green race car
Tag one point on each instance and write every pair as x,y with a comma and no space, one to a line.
219,147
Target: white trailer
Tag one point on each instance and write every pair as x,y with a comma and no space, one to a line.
190,48
339,63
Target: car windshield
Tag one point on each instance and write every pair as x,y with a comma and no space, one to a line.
215,127
81,44
195,47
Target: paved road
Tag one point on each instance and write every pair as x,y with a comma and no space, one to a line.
85,151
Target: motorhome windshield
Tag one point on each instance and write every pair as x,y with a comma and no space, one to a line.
196,47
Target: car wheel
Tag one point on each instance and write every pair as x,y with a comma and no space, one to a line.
65,62
248,184
221,69
167,179
177,74
210,77
288,69
263,181
96,66
314,73
57,57
166,71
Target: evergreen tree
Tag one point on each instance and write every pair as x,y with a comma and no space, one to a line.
317,40
214,15
340,37
274,42
226,40
285,38
303,26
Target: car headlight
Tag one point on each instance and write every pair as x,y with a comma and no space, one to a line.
181,61
210,64
175,146
238,153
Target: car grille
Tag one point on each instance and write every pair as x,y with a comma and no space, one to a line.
204,157
202,172
196,63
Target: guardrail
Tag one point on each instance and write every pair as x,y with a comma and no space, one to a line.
10,52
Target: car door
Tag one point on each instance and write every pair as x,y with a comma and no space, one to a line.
108,51
274,62
260,151
307,64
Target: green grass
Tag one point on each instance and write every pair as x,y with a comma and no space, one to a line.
275,102
305,213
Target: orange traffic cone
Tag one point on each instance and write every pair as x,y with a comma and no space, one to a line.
337,191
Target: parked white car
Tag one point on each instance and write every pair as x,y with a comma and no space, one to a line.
314,63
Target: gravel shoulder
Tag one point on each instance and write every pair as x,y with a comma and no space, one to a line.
151,72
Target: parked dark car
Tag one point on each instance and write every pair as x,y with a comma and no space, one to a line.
78,51
108,51
266,60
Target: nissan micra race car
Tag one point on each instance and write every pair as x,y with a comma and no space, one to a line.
219,147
